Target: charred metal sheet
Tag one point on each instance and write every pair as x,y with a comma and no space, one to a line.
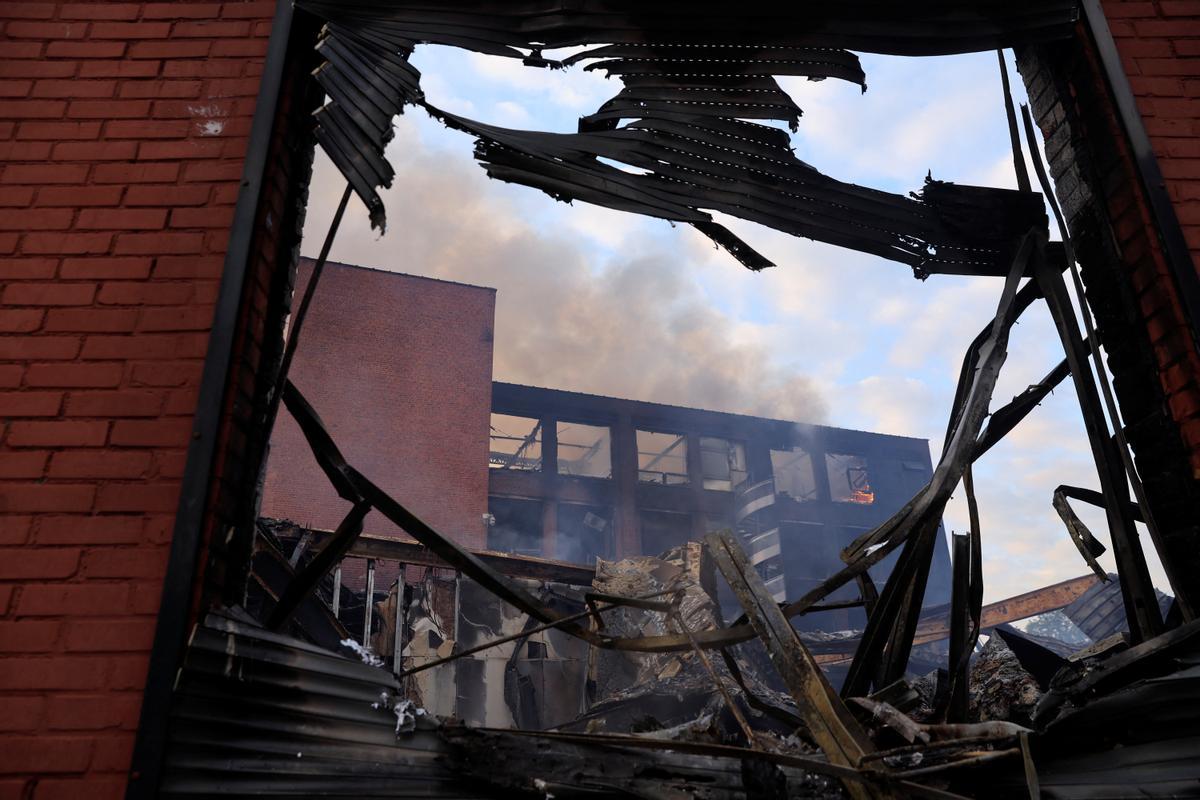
692,78
1084,541
1038,660
1100,611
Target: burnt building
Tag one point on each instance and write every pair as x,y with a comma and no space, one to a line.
561,475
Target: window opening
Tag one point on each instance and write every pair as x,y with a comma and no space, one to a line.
662,458
585,533
584,450
662,530
848,479
794,476
515,526
516,443
722,463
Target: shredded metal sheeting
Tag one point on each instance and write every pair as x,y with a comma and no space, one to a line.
693,78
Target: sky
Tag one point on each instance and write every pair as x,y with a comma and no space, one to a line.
601,301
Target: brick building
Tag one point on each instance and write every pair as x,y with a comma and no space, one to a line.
155,159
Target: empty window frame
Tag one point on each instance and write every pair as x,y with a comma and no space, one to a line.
848,479
516,443
793,471
662,530
515,526
722,463
584,451
662,458
585,533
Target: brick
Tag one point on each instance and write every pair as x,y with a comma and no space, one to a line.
30,404
79,196
20,50
128,671
94,151
24,151
218,217
27,269
180,10
146,129
169,50
21,714
188,318
26,497
138,497
58,131
125,562
108,50
99,11
49,294
44,173
119,69
92,712
213,171
151,433
93,787
32,636
162,88
41,563
14,529
243,87
56,672
92,320
36,220
113,754
45,30
20,320
257,10
146,346
29,10
83,599
45,754
27,348
13,88
182,149
239,48
57,433
31,109
156,243
22,465
100,376
212,29
166,374
124,403
135,173
99,464
167,195
130,267
202,69
16,197
89,530
130,30
10,375
151,293
74,89
122,219
66,243
108,109
189,267
37,69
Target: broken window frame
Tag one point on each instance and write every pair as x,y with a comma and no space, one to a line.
597,455
849,478
797,466
521,458
722,463
672,450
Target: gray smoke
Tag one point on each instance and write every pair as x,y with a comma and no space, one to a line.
635,326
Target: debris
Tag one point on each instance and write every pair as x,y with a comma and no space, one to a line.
1001,689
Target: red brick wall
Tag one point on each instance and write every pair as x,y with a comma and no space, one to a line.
400,369
123,128
1159,44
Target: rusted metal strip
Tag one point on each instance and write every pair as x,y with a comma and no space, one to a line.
1084,542
829,721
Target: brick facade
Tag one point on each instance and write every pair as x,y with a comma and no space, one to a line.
1140,318
123,129
400,369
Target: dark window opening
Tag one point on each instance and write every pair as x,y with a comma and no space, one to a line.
516,443
584,533
662,530
515,526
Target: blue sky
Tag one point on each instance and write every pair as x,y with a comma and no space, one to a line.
602,301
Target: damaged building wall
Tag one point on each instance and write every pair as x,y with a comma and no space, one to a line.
1137,301
401,368
126,133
